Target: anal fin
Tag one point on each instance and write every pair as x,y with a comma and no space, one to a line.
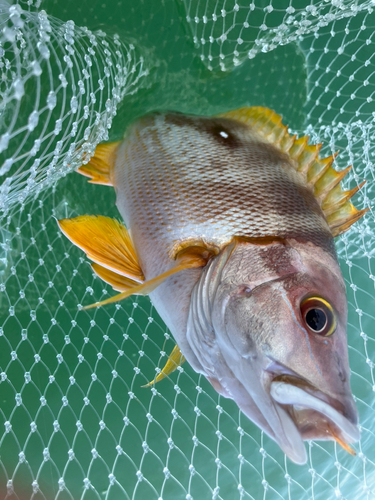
175,359
98,169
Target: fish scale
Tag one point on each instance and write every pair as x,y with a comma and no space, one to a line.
230,225
248,189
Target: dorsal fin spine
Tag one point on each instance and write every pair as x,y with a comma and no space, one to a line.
308,156
318,169
298,146
318,173
336,198
328,181
349,221
279,135
287,142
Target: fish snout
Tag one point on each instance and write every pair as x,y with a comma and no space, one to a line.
315,414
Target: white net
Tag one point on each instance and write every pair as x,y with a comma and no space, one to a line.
60,88
75,422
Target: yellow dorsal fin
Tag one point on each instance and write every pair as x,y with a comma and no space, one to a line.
106,242
298,147
265,122
100,165
318,168
340,220
317,172
337,197
175,359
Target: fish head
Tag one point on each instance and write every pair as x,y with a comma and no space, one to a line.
277,342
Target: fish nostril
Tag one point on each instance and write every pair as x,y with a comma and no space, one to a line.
245,291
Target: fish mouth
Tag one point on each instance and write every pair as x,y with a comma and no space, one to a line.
307,413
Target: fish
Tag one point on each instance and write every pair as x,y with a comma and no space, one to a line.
229,225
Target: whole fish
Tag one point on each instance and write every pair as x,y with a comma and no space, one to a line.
230,225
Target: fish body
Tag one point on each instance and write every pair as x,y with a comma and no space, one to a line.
264,319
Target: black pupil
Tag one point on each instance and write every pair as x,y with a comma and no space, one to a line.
316,319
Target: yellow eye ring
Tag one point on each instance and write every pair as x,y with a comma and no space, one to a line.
318,316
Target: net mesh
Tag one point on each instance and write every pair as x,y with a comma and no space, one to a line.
75,422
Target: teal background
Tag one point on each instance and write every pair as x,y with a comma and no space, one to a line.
75,421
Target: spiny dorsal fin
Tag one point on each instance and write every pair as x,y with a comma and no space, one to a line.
99,166
318,173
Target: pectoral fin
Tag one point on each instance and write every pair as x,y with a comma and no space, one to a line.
187,262
118,282
175,359
106,242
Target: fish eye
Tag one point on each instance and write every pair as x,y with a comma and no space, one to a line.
318,316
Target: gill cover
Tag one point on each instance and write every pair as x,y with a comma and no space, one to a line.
271,335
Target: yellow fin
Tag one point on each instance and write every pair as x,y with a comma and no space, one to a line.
328,181
186,262
344,217
117,281
175,359
318,168
265,122
106,242
337,197
298,147
99,166
308,157
316,172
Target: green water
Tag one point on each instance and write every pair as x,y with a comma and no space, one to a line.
71,380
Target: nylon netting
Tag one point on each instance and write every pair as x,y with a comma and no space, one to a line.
74,420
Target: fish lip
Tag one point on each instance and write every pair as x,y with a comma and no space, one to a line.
332,422
324,407
279,372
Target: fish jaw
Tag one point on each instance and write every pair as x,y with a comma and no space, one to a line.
286,407
314,417
248,337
